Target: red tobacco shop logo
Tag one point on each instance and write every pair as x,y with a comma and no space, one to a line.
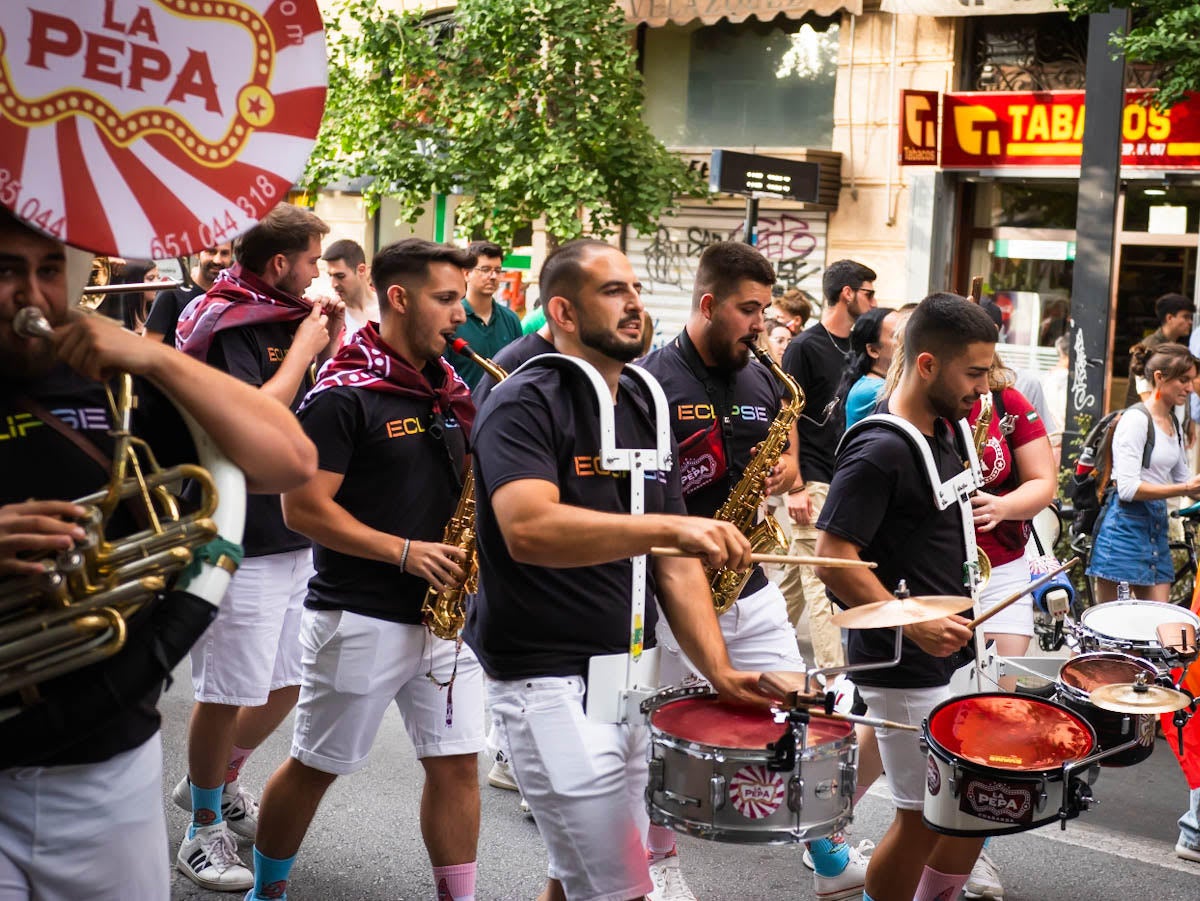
1020,129
173,123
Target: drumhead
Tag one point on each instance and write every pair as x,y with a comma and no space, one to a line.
709,721
1089,671
1010,732
1135,620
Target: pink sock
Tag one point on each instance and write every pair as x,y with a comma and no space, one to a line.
935,886
237,759
456,883
660,842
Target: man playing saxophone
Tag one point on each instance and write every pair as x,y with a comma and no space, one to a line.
737,444
391,421
81,810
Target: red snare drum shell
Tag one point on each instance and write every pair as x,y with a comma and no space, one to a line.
709,721
1010,733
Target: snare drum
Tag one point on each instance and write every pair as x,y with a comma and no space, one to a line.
710,773
995,764
1076,680
1128,627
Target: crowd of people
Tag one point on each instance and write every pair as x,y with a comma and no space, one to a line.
360,427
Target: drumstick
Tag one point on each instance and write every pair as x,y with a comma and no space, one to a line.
1016,596
864,720
786,559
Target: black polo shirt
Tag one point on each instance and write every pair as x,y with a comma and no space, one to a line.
485,338
880,500
509,359
166,309
399,478
45,465
253,354
536,620
816,362
717,416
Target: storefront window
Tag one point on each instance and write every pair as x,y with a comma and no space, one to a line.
1038,204
1027,53
747,84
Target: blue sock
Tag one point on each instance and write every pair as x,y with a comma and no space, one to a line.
867,897
206,807
271,876
987,841
829,857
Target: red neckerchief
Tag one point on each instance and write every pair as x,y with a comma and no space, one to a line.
366,361
236,298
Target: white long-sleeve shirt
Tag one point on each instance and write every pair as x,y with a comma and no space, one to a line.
1168,462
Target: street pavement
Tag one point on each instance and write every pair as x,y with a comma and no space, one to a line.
365,844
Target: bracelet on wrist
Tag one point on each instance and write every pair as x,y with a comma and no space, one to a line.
796,489
404,554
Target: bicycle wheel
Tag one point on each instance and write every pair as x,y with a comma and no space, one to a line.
1184,565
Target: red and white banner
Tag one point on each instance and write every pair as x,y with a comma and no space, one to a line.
156,128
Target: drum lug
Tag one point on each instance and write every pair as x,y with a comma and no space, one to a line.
956,777
716,791
796,794
849,780
655,782
1041,797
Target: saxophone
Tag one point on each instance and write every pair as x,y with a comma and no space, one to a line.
444,612
979,436
742,506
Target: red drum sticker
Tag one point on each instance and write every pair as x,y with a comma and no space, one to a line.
756,792
156,128
933,777
1000,802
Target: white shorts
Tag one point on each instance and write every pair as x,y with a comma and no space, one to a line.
904,763
253,646
757,632
355,666
1017,618
585,782
94,831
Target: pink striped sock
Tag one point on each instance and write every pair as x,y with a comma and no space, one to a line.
935,886
660,842
456,883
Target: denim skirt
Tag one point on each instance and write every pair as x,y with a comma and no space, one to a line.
1131,543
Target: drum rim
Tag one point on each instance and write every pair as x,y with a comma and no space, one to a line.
1183,612
1079,694
1052,773
705,750
767,836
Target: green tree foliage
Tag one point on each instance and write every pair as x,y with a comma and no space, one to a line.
1165,33
529,108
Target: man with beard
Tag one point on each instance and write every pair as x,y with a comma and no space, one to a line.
722,405
555,541
346,265
254,325
169,304
815,359
881,507
81,804
391,422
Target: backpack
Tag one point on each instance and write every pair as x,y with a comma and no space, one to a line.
1091,484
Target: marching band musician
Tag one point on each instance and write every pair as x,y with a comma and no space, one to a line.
881,507
390,419
555,543
64,804
722,404
253,324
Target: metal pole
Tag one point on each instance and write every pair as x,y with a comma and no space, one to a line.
750,225
1095,230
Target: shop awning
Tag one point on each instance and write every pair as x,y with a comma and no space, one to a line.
659,12
968,7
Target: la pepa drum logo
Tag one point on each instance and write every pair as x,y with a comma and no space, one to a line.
756,792
999,802
933,777
185,120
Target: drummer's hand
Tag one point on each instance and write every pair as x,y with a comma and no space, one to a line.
940,637
989,510
36,526
719,543
335,310
799,507
738,687
98,348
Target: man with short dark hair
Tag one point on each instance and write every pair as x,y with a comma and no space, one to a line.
490,325
1174,313
169,304
255,325
346,265
391,422
815,359
882,507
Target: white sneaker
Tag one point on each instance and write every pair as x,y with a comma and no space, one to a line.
525,808
849,883
669,884
210,859
984,881
501,776
238,807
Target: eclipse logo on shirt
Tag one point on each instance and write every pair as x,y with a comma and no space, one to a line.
402,428
688,412
18,425
276,354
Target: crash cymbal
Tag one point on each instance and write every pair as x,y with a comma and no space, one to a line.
901,612
1130,697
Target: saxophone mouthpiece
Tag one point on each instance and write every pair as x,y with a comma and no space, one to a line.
460,346
30,323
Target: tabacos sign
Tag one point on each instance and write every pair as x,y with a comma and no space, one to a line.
1026,128
155,128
